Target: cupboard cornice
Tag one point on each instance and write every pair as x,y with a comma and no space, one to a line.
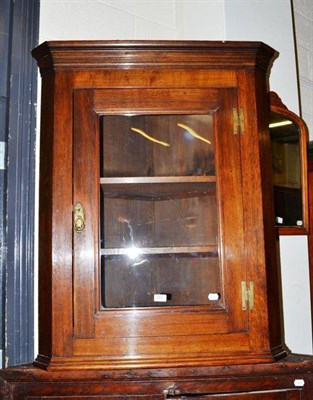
153,55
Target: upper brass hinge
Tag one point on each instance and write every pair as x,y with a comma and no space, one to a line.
247,295
238,121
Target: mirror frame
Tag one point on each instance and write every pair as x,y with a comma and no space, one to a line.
277,106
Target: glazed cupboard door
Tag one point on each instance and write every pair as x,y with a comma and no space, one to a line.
158,227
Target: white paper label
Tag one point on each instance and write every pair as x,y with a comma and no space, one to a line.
279,220
299,223
299,382
160,297
213,296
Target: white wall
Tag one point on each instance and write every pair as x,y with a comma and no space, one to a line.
262,20
200,20
131,19
107,19
296,289
271,22
303,12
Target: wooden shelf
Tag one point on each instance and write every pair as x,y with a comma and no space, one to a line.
158,188
287,188
188,251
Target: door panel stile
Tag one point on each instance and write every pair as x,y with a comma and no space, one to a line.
86,193
61,178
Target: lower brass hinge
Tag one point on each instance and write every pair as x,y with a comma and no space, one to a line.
247,296
238,121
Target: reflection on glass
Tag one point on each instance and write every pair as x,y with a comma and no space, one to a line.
286,162
129,153
159,229
181,280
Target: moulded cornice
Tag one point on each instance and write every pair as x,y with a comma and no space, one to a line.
57,55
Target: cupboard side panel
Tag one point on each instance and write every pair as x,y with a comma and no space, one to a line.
261,255
272,273
45,216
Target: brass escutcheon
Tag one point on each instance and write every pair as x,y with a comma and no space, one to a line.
79,218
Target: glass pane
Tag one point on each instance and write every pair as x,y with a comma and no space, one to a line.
129,148
159,229
286,162
139,281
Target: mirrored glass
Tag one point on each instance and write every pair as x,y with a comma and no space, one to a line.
286,163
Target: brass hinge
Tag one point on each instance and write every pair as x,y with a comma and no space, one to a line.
247,296
238,121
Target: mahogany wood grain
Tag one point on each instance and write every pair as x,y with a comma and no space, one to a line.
137,78
46,216
157,78
233,296
233,301
153,55
133,100
85,243
262,255
157,188
230,206
210,250
62,181
235,382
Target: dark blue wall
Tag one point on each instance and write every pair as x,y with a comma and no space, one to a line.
19,22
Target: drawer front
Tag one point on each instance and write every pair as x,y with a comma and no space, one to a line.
264,395
108,397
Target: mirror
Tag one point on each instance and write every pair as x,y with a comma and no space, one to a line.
288,135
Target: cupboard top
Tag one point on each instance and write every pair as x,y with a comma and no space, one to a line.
153,54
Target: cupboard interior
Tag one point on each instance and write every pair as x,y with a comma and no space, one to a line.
159,231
